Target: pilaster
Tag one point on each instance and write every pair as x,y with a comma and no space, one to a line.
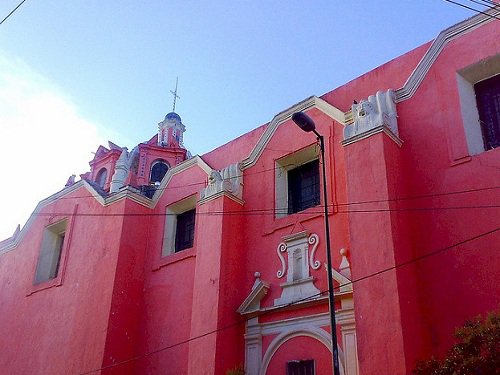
214,318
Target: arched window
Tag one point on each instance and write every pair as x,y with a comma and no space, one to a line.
158,171
101,178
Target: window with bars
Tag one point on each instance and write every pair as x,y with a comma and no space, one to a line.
303,187
488,105
305,367
184,231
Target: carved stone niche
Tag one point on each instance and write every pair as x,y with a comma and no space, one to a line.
299,284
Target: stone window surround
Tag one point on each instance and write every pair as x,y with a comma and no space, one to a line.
172,211
466,78
53,223
50,251
283,165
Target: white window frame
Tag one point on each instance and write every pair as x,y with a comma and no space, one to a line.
285,164
172,211
466,79
51,251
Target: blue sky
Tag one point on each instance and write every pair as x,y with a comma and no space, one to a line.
74,74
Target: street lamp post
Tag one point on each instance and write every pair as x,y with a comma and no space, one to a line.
304,122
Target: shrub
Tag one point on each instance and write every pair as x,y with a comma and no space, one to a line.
238,370
477,351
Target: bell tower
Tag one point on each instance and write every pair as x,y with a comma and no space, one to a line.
171,131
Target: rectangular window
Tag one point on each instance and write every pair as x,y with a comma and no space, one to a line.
50,252
303,187
184,231
488,105
179,226
479,93
300,367
297,181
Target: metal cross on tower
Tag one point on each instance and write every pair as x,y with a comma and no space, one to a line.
174,93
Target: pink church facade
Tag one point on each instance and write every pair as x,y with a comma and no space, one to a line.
159,262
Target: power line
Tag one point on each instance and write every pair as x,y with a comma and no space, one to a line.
335,205
338,204
259,212
13,10
377,273
488,3
473,9
483,3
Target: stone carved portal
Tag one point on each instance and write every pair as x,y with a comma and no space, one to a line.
299,284
258,354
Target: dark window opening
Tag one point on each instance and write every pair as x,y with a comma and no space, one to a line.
488,105
158,171
101,178
184,231
148,190
300,367
303,187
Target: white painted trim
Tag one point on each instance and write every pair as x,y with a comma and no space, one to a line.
251,304
318,320
179,168
125,192
314,332
417,76
222,194
11,243
171,212
311,102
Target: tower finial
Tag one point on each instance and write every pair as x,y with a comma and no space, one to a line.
174,93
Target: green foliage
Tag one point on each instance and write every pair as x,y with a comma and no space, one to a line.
237,370
477,351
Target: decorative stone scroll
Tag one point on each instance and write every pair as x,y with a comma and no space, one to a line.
228,180
299,284
377,114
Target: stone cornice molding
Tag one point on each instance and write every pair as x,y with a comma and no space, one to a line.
369,133
251,304
179,168
417,76
311,102
126,192
12,242
219,194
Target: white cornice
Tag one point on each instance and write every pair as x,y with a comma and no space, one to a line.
312,102
185,165
251,304
124,193
11,243
417,76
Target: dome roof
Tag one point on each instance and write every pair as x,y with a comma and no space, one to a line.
172,116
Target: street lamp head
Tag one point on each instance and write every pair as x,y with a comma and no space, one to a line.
303,121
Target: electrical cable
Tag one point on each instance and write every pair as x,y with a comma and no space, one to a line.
473,9
13,10
377,273
336,205
482,3
259,212
488,3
